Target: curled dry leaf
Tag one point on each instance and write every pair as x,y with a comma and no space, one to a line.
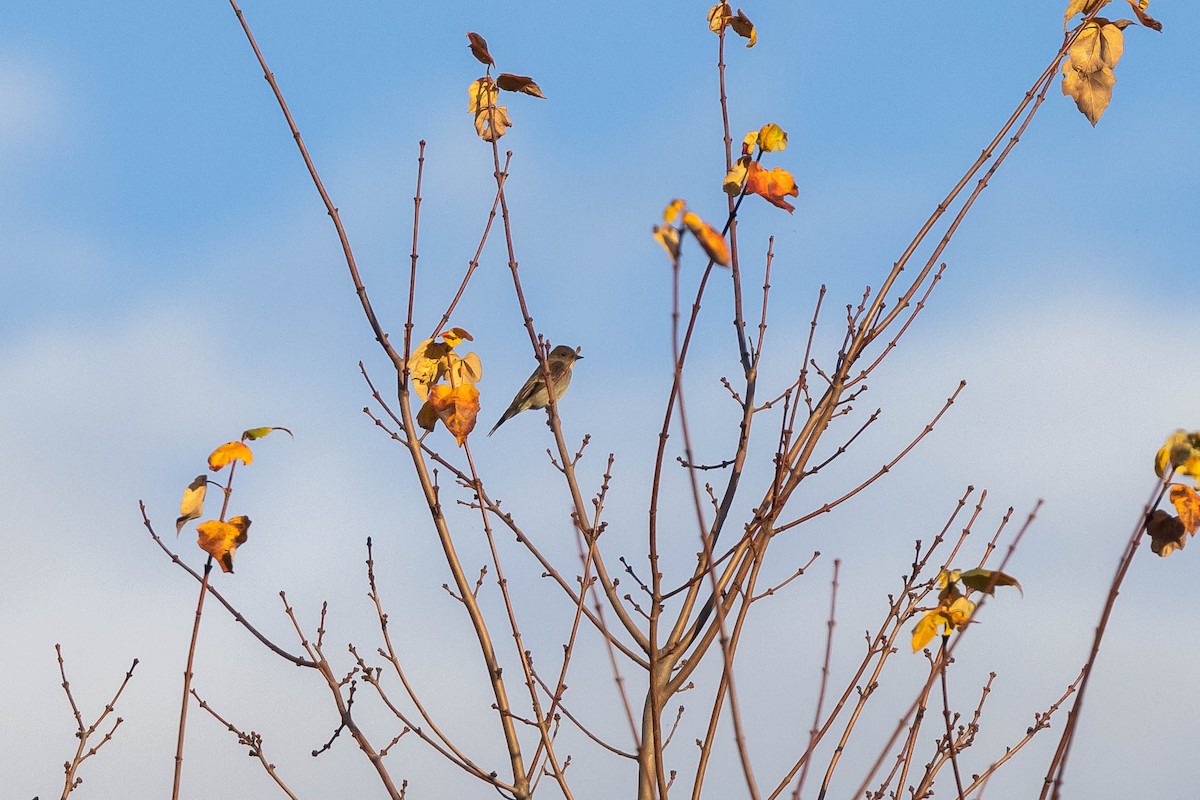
479,49
519,83
744,28
192,504
1139,8
221,539
229,452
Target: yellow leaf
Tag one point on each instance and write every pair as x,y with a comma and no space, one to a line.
482,94
427,417
230,451
959,612
1082,7
749,142
735,179
455,336
719,16
1176,452
926,629
947,577
1167,533
457,408
772,138
425,365
744,28
518,83
709,238
772,185
468,369
1187,503
221,539
1092,92
986,580
1096,47
672,211
192,504
259,433
668,237
492,123
479,49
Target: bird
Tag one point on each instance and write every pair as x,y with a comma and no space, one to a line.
533,394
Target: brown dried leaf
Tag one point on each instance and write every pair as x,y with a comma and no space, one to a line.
479,49
1167,533
1143,17
519,83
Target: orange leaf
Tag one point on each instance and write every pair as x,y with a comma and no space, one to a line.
456,407
772,185
709,238
479,49
221,539
1187,503
230,451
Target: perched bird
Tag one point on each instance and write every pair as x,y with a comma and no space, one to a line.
533,394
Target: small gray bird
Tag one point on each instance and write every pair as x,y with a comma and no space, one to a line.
533,394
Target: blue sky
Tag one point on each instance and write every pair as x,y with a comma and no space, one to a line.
170,279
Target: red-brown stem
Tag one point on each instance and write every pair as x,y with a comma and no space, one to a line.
1058,764
187,681
813,732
